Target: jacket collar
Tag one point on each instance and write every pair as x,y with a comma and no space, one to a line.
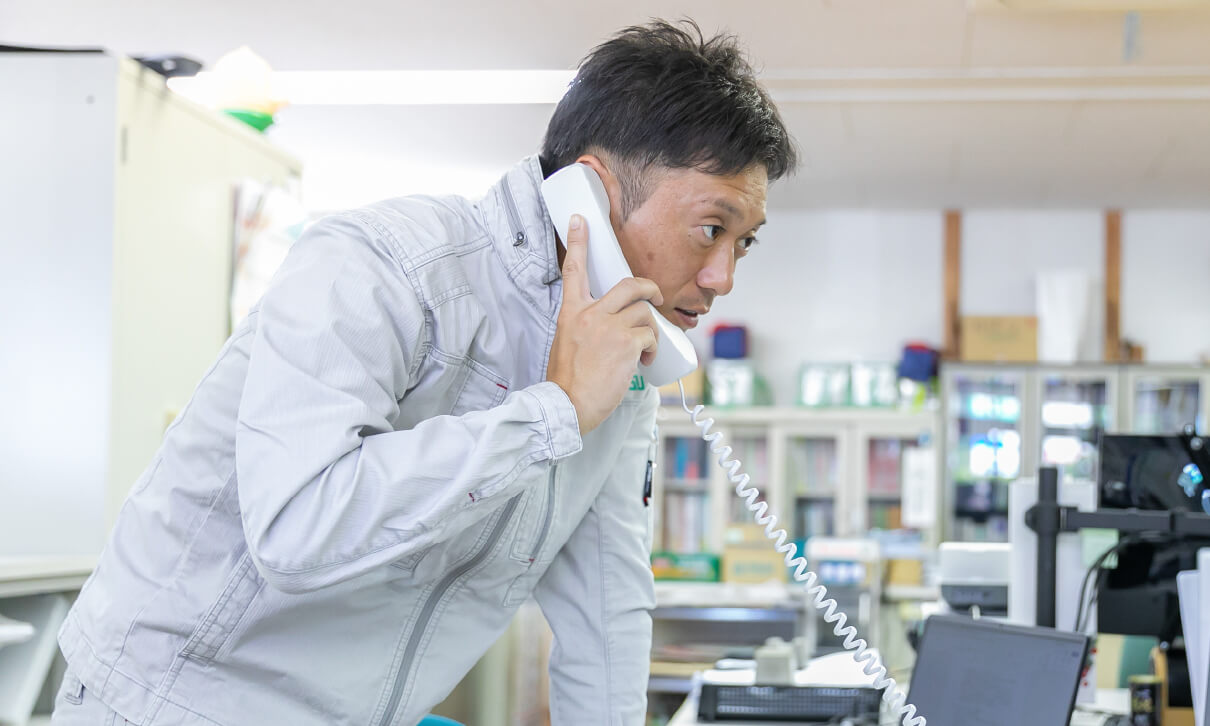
523,234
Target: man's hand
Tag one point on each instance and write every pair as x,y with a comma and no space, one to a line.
598,343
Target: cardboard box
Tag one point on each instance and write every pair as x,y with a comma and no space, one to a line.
753,566
749,556
751,536
695,385
1003,339
904,572
693,567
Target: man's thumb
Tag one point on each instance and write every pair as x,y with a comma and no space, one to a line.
575,267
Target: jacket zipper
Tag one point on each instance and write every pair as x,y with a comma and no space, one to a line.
514,220
430,605
546,517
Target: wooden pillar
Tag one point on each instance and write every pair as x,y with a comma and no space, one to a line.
1113,285
953,282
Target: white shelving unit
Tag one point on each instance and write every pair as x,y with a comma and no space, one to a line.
827,470
1004,421
824,470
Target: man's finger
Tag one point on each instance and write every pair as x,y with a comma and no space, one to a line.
636,314
647,339
631,290
575,262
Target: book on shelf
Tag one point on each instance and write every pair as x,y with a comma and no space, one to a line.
687,457
685,516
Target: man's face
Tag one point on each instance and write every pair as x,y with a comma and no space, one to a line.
689,233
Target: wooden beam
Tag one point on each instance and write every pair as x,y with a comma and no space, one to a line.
1113,285
953,282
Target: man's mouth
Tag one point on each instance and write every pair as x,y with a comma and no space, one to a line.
688,318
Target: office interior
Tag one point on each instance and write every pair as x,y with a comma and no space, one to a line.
967,367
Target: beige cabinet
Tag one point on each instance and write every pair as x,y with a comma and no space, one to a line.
115,267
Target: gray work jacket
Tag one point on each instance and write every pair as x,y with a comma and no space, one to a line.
369,481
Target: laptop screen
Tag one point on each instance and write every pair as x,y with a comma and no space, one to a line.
989,673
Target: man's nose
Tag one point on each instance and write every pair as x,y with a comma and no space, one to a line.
718,274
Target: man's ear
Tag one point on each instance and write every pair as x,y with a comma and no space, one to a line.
613,188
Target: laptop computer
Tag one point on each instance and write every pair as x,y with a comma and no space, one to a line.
989,673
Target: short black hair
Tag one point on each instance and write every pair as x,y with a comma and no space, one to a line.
659,95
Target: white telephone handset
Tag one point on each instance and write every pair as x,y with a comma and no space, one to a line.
576,189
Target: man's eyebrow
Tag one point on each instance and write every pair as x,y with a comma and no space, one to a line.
731,209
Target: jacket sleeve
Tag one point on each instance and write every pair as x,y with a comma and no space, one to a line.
327,489
598,595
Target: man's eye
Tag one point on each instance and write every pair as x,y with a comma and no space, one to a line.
712,230
747,243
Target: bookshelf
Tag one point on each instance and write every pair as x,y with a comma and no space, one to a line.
830,472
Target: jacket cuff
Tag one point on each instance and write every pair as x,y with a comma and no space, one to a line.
562,425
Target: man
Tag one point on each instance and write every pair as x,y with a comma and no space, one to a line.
422,424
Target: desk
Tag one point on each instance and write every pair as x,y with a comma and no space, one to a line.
1110,700
35,575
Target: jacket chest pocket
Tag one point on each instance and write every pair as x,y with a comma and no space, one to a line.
479,390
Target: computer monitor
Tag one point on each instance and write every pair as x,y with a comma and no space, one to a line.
1138,596
1146,472
989,673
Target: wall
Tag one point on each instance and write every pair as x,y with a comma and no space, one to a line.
845,285
1004,251
835,286
1166,283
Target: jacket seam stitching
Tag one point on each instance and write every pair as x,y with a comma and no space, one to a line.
409,630
115,669
531,257
175,571
550,436
406,266
168,680
605,617
491,489
448,294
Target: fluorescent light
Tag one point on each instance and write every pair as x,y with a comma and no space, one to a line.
1062,94
398,88
910,85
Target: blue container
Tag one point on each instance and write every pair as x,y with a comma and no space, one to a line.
731,341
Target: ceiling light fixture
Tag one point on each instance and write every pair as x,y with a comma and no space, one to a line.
400,88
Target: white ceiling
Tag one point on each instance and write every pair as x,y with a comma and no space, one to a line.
895,103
